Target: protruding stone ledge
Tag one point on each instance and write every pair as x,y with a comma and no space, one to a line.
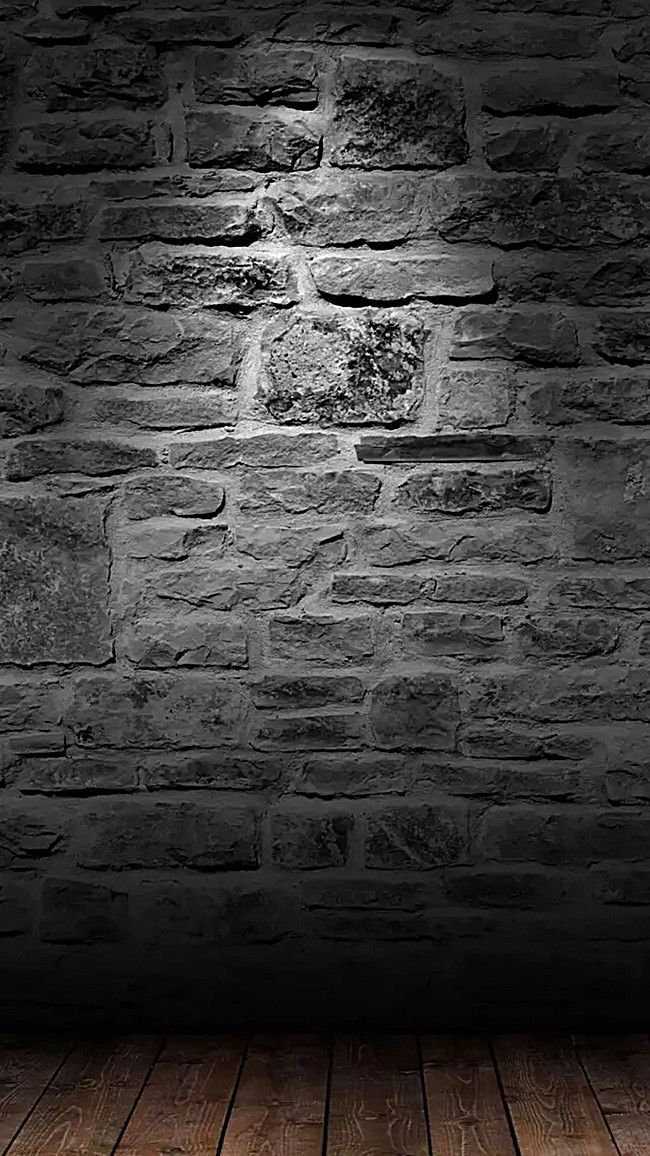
450,448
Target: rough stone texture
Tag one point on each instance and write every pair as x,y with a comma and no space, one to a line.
350,372
102,346
161,276
281,76
59,146
94,78
242,140
54,587
396,114
279,725
404,276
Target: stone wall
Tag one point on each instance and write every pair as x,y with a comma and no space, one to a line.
325,596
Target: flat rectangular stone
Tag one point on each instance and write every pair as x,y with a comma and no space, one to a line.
449,448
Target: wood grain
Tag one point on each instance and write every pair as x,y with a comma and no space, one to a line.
467,1116
376,1103
618,1068
185,1100
551,1104
85,1106
279,1107
27,1064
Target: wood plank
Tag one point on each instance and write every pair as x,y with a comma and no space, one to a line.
618,1068
551,1105
185,1100
279,1106
27,1064
376,1103
84,1108
467,1116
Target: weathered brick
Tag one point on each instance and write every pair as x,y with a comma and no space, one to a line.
349,491
474,399
266,142
322,639
27,224
59,146
278,76
324,369
416,838
172,542
204,586
94,78
482,35
54,586
425,634
384,544
345,209
169,410
160,275
415,711
351,776
480,588
542,338
621,146
565,636
26,409
333,25
523,889
526,148
590,279
310,732
76,912
102,346
543,90
30,833
187,640
567,836
464,491
606,593
393,114
228,222
543,210
623,337
30,705
280,691
607,494
29,459
262,450
403,277
309,841
557,7
303,546
171,494
155,711
506,740
622,399
146,834
40,30
79,775
382,589
600,693
65,279
215,771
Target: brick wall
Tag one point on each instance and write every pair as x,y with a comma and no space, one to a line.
302,721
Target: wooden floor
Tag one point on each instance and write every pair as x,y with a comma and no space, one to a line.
375,1095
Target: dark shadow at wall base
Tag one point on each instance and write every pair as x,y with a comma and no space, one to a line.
425,987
